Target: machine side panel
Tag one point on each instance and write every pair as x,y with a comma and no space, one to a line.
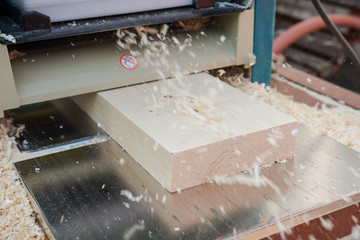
93,66
245,34
8,95
263,40
239,30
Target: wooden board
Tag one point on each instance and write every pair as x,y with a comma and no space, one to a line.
320,85
229,133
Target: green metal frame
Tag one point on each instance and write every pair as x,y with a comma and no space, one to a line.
263,40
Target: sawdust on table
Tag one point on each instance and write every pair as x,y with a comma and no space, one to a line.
17,219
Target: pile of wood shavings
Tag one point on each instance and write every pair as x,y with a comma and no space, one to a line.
341,122
17,220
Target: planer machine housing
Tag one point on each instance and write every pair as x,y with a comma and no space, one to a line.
55,67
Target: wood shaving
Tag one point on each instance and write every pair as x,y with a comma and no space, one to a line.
164,29
194,24
7,37
151,30
17,218
15,54
221,72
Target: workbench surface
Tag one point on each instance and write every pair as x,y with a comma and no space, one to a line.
98,191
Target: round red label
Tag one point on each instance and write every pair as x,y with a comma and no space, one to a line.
129,62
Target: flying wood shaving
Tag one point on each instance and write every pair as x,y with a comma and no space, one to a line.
274,135
7,37
221,72
129,195
355,232
140,30
256,180
326,223
129,233
222,38
164,29
120,34
176,41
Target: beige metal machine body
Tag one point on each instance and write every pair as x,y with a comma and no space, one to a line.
64,72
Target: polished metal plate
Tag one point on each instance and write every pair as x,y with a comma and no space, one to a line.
100,192
53,124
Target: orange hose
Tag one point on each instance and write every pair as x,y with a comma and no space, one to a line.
310,25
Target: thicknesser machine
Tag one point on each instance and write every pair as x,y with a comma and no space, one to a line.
53,33
53,50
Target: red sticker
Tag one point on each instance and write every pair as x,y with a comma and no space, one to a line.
129,62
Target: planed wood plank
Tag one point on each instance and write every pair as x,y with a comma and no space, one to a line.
184,133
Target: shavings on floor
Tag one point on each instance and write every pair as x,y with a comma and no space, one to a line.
17,219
